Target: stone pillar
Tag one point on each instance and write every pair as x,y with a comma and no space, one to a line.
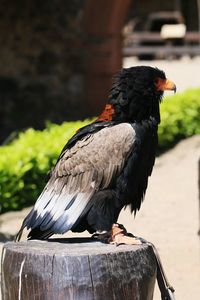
103,23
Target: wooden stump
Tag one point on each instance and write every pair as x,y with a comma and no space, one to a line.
78,269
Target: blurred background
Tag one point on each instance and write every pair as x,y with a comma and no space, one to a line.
57,55
57,60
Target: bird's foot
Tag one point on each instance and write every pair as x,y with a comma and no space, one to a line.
117,235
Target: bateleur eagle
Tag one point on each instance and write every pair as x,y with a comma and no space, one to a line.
105,166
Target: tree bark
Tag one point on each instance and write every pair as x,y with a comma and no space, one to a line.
78,269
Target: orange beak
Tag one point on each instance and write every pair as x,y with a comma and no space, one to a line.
165,85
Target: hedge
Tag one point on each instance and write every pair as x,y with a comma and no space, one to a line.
180,118
26,161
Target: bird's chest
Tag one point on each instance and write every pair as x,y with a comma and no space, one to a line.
138,166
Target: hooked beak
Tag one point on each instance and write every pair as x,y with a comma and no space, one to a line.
165,85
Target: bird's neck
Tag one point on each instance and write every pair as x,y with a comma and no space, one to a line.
107,114
120,114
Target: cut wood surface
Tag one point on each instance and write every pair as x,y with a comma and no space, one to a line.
78,269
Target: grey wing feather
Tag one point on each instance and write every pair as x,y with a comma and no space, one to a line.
89,165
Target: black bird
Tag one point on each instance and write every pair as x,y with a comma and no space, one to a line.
105,166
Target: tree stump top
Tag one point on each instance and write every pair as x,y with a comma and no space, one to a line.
77,269
71,247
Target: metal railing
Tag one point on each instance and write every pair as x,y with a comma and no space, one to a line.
134,44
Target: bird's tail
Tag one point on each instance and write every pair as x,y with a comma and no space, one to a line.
19,234
35,233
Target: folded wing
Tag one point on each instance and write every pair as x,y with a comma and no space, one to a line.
91,164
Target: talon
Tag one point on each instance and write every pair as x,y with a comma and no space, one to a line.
123,239
117,235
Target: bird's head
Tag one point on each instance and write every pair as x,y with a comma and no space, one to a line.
136,94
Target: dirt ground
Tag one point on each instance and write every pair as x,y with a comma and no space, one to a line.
169,216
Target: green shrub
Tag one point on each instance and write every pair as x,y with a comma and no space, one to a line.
180,118
25,162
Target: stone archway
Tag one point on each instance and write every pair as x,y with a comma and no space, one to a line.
103,21
42,66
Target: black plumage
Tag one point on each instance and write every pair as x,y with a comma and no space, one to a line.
105,166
